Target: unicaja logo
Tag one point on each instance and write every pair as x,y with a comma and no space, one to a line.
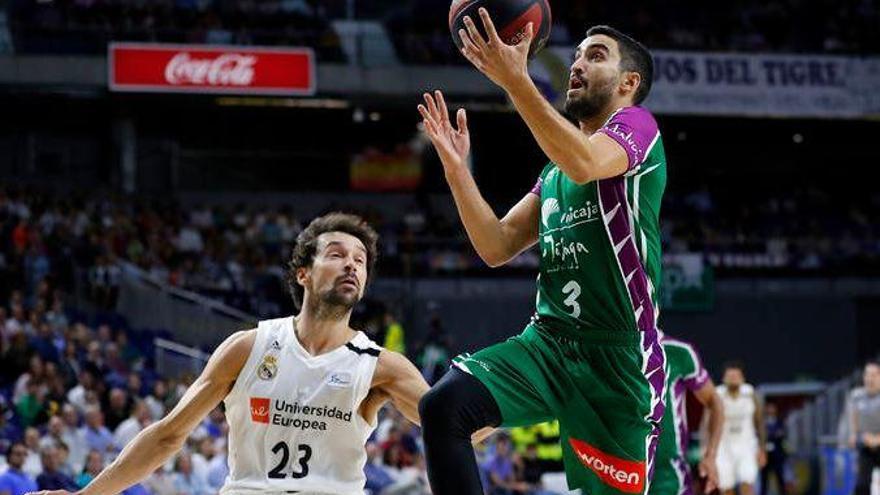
260,409
228,69
626,476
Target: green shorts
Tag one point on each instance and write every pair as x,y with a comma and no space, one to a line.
605,389
671,477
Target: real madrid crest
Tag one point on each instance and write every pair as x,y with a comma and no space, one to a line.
268,368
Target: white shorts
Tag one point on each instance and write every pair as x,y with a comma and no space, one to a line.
737,464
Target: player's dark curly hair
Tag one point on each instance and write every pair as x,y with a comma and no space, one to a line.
307,245
634,57
734,364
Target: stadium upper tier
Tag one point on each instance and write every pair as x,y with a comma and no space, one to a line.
417,31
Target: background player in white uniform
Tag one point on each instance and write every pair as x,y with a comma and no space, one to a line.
301,393
741,452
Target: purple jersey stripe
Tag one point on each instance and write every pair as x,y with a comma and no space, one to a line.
684,475
681,426
536,189
612,200
615,214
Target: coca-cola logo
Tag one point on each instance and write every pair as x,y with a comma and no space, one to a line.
260,409
626,476
228,69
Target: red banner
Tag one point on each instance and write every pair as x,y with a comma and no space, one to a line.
211,69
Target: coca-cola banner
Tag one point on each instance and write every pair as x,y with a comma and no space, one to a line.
211,69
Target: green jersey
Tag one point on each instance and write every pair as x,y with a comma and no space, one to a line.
684,371
600,242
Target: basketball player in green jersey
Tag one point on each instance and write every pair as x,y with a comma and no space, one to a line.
685,372
591,356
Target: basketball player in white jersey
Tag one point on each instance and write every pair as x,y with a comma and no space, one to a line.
301,393
741,452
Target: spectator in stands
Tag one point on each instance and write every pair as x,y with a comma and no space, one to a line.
64,465
134,384
14,481
201,458
140,418
94,465
865,426
531,469
52,478
160,482
218,468
433,359
32,466
378,478
776,454
54,433
35,373
74,437
15,360
87,383
31,405
501,470
398,451
157,400
394,335
9,432
97,436
549,449
69,366
44,343
185,481
117,409
56,318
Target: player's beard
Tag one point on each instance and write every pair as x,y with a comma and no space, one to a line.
335,302
592,99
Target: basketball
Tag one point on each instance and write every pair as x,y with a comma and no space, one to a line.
510,18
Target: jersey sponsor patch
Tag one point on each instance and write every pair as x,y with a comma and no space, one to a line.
268,369
626,476
260,409
339,379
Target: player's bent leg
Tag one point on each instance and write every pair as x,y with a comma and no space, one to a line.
865,473
610,419
498,385
747,470
456,407
726,472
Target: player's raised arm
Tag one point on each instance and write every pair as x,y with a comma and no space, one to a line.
159,441
495,240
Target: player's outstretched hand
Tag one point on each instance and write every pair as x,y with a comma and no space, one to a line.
506,65
453,145
709,472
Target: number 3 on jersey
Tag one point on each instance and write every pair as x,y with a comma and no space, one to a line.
573,290
278,472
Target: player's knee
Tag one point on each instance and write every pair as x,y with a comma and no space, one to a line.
437,405
457,406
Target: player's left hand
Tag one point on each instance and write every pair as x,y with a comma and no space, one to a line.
762,458
709,471
506,65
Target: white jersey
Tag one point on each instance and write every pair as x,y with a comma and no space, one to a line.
739,416
294,425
